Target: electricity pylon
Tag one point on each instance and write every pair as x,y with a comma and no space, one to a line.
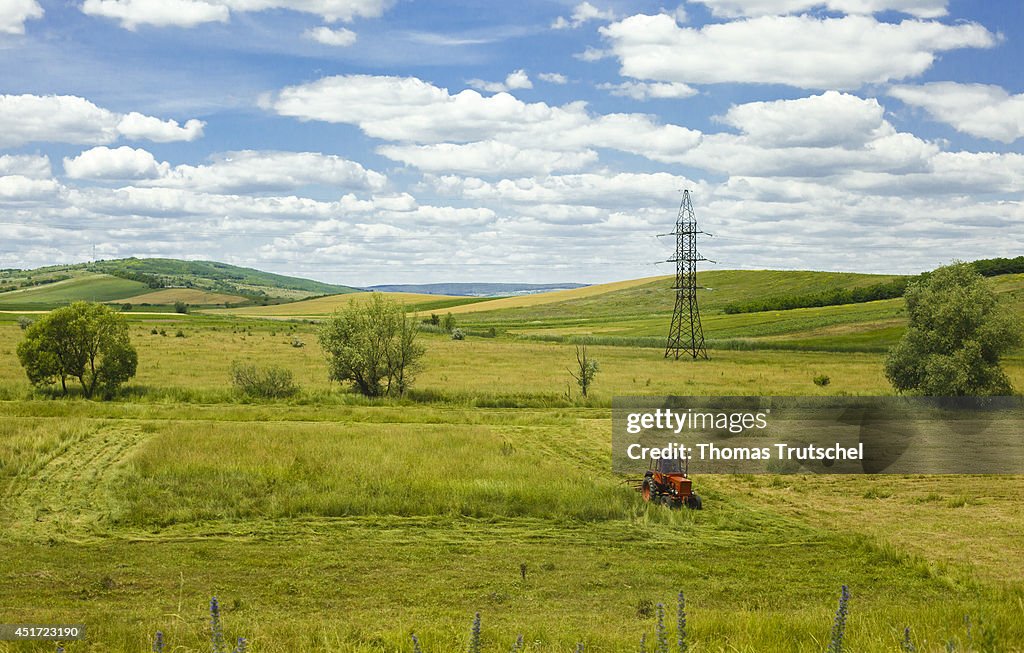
686,311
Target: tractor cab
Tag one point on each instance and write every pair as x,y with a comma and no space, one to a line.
667,481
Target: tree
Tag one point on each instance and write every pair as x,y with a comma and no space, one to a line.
85,341
373,345
957,332
586,370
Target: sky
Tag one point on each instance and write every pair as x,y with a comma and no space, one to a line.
412,141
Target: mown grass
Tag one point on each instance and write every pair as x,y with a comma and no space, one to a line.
190,472
332,522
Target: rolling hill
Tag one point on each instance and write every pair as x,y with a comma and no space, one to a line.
154,282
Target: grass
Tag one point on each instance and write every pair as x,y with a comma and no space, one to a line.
88,287
146,517
330,522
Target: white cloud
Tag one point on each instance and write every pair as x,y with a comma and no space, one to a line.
514,80
407,109
623,189
977,109
518,79
71,119
340,37
801,51
159,13
648,90
486,158
734,8
826,120
189,13
330,10
136,126
256,171
33,166
553,78
19,188
818,136
247,171
592,54
584,12
120,163
14,13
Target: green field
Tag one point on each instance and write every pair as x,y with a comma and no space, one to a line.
330,522
88,287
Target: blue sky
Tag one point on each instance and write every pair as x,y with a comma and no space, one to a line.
374,141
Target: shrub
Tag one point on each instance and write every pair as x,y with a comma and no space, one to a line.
448,322
271,382
822,380
457,334
25,322
180,307
297,342
179,334
126,307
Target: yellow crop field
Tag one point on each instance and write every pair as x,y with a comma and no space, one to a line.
537,299
187,295
326,305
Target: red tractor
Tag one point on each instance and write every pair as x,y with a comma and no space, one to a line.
667,481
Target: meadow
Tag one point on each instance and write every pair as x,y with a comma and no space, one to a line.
330,522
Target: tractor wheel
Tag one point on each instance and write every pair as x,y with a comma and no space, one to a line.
645,491
693,502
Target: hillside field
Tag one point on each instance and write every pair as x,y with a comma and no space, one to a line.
191,296
88,287
331,522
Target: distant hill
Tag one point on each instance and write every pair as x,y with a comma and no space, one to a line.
214,276
476,289
154,282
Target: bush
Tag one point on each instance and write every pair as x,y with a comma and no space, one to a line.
179,334
822,380
271,382
448,322
25,322
180,307
297,342
457,334
126,307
